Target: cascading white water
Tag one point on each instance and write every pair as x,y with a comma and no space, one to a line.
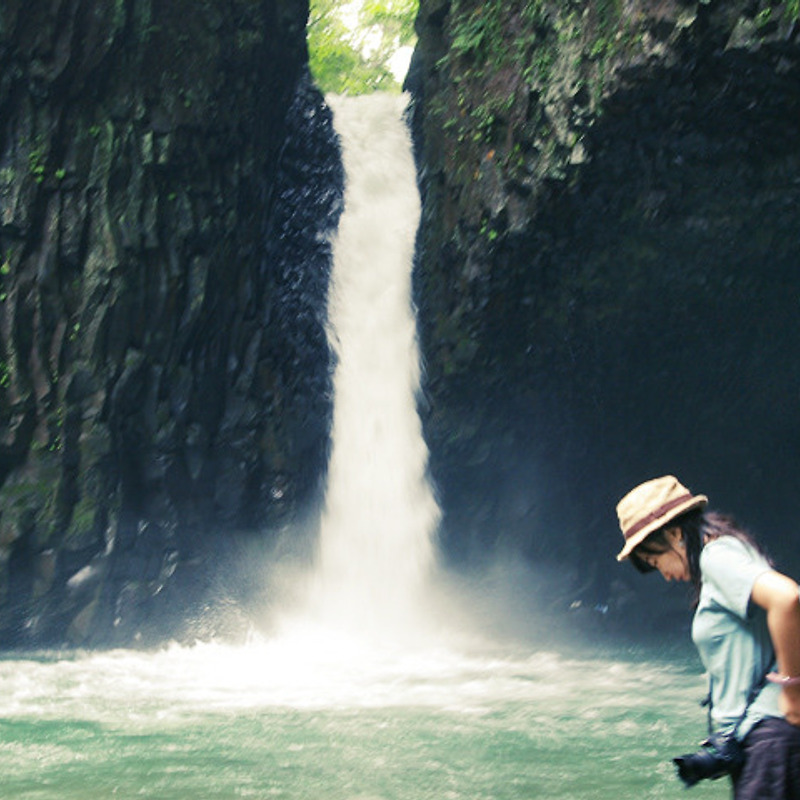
376,545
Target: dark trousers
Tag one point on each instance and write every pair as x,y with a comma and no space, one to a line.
772,763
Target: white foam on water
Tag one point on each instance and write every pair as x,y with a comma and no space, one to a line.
310,670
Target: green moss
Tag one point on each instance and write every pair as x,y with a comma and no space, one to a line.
490,37
511,73
36,164
477,35
82,519
31,493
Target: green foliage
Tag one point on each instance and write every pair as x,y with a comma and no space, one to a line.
498,53
396,17
351,54
493,34
478,35
36,161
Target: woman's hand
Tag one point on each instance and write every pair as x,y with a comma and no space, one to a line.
778,594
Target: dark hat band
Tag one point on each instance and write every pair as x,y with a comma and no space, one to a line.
654,516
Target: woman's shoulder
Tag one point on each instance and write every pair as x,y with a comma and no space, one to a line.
729,544
729,567
730,552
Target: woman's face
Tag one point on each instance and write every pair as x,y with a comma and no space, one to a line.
671,563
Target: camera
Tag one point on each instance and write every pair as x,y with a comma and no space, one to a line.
720,754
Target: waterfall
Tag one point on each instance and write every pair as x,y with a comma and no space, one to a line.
376,547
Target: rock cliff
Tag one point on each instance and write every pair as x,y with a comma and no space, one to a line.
608,272
167,175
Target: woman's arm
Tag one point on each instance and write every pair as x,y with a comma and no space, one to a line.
778,594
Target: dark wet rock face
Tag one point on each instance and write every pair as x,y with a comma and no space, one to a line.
168,176
608,275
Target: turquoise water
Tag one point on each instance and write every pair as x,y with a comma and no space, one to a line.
312,718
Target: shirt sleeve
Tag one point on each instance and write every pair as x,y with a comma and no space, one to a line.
731,567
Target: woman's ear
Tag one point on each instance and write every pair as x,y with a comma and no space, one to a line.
675,537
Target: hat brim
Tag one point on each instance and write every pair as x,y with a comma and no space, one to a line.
635,540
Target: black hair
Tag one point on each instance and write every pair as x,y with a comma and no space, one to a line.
697,527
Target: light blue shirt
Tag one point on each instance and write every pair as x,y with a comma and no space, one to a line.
731,634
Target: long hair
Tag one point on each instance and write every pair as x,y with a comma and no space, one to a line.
698,528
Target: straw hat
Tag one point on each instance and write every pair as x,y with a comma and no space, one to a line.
650,506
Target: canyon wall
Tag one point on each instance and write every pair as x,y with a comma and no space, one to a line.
608,270
168,177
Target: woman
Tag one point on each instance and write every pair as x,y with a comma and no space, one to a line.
746,628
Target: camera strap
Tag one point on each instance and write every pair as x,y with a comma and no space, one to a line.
755,689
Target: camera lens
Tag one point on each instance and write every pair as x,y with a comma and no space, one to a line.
719,756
